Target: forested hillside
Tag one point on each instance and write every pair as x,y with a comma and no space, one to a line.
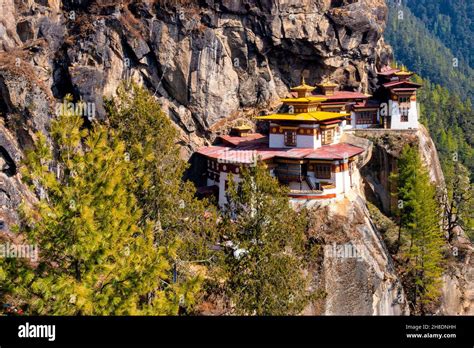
435,39
416,46
451,21
450,122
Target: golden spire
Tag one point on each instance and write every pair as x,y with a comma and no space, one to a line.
404,71
303,89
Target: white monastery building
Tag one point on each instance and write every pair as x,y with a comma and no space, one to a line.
303,147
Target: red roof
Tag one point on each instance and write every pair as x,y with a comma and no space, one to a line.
404,89
335,152
236,140
247,154
342,95
367,104
397,83
334,103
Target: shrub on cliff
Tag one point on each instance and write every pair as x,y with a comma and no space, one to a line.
151,145
264,274
97,255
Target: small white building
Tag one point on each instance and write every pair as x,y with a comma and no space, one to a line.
399,109
393,105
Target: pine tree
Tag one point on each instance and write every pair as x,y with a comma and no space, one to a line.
406,180
458,203
420,225
264,263
163,195
97,255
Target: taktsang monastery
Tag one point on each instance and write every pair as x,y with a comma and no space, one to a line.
303,148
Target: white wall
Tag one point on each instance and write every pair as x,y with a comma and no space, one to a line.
222,179
306,141
338,135
348,125
339,181
353,119
396,115
302,141
277,141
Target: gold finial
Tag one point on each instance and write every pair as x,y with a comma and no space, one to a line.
302,89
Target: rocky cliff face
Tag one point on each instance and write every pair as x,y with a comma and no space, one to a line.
458,281
356,272
457,294
213,60
209,62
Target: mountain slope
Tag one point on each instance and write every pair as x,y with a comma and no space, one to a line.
451,21
208,65
446,99
417,47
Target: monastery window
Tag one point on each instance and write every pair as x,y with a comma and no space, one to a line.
327,136
404,114
366,117
403,100
322,171
290,138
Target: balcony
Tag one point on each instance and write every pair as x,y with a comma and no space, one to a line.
327,191
288,173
